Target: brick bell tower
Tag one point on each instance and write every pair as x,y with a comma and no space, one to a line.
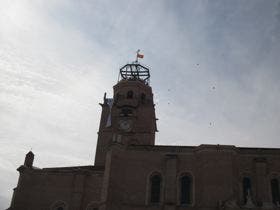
129,117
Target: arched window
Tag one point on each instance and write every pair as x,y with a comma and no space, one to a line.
155,188
275,191
246,188
185,190
129,94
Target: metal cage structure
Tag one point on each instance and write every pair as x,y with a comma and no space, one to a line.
135,71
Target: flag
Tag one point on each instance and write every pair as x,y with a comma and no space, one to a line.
140,55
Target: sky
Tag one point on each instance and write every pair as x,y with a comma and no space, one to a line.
214,72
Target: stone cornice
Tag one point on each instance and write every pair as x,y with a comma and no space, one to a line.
205,148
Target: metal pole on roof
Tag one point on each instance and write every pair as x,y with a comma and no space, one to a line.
137,52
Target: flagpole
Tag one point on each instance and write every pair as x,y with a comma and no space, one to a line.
137,52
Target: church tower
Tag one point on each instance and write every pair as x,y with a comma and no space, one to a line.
129,117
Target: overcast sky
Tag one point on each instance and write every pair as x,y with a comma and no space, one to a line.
214,72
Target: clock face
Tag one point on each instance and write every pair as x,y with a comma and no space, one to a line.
125,125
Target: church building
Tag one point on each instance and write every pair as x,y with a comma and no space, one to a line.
131,172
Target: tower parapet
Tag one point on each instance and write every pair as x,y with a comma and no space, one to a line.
135,71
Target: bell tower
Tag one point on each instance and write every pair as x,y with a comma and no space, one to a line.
129,117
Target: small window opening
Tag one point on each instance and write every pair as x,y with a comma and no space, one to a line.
246,188
155,188
186,190
60,208
129,94
275,191
143,97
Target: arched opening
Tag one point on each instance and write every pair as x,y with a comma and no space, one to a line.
185,190
129,94
247,188
155,188
275,191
